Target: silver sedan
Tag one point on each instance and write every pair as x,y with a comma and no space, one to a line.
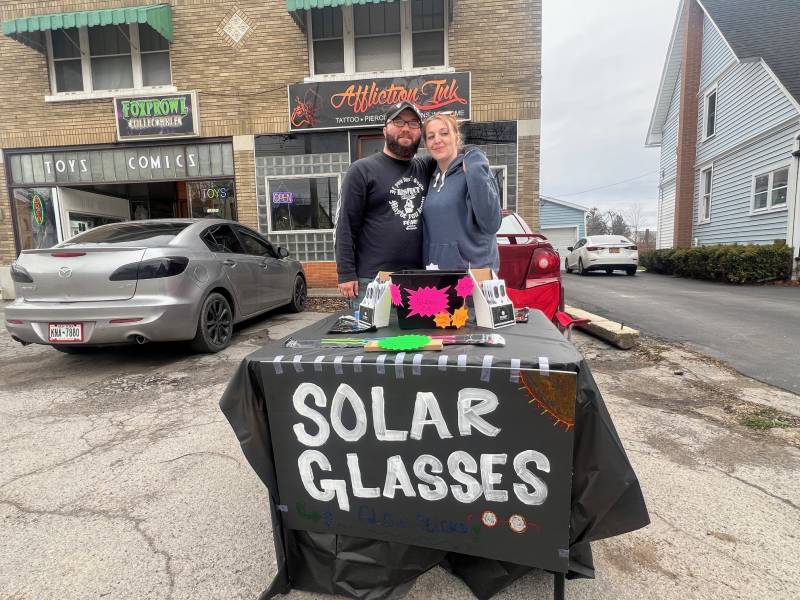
156,280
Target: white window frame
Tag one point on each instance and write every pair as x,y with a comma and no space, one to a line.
406,49
770,207
701,215
86,69
270,178
711,91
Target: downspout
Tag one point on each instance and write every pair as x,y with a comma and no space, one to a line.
793,218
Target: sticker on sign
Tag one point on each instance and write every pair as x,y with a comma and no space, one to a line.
65,332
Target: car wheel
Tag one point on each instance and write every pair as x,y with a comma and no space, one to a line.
214,326
567,268
299,296
581,270
631,272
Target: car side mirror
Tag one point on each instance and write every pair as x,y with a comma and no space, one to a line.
282,252
570,248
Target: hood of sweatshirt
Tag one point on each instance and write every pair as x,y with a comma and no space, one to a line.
439,178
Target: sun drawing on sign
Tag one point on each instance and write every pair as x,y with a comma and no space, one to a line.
549,406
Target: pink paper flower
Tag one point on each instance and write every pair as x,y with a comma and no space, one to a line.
427,301
464,286
394,290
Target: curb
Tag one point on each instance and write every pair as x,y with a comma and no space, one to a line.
324,293
612,332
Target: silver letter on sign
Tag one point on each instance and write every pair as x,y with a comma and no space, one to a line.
469,416
345,392
539,494
299,402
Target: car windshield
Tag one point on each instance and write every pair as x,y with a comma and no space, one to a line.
608,239
150,235
511,225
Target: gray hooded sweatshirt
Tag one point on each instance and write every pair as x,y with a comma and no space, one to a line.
462,215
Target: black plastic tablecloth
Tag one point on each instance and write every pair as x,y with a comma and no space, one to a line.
606,496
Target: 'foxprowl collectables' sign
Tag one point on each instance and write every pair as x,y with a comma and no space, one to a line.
157,117
482,466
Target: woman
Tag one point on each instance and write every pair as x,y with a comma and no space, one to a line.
462,207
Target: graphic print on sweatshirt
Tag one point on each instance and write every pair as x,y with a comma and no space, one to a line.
408,198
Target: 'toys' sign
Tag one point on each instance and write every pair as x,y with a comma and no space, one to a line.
37,208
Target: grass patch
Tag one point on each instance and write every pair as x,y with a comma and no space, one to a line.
765,419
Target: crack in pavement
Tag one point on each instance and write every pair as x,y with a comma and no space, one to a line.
209,452
138,524
757,487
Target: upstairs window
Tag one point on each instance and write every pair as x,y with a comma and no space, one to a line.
107,57
377,36
383,36
428,33
328,40
710,114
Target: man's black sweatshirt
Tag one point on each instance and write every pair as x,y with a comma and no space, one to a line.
379,220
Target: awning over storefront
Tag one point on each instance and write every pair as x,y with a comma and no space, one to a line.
293,5
28,30
296,7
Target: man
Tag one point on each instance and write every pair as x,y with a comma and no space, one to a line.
379,219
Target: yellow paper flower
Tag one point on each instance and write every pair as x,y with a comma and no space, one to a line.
460,316
442,320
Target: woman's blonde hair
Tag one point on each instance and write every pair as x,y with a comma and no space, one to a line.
452,125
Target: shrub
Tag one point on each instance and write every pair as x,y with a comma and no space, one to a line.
732,264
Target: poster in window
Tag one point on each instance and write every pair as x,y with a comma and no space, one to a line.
36,218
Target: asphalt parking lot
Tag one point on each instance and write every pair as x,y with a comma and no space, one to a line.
122,479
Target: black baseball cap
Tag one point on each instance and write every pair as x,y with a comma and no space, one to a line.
396,109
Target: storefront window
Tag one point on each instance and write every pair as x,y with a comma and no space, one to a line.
303,203
35,218
214,199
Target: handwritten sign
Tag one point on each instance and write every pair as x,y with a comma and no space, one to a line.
473,460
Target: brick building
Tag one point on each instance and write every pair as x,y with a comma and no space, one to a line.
180,108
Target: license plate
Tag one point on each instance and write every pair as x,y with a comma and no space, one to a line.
614,250
65,332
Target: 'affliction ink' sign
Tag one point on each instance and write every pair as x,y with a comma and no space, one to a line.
363,103
477,460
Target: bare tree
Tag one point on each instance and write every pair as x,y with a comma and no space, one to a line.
636,220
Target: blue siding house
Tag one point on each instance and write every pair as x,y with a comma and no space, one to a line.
727,120
564,223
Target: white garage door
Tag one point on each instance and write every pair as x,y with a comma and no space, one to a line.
561,238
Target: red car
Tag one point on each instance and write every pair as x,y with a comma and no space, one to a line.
530,266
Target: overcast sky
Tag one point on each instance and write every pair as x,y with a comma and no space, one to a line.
601,67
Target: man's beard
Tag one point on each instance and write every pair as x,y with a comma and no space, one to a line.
396,148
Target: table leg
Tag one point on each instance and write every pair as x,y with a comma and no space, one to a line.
558,586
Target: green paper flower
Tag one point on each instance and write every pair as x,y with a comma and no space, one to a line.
404,343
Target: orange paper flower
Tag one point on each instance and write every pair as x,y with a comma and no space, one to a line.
460,316
442,320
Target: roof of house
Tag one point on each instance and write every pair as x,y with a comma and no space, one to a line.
754,30
768,29
564,203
